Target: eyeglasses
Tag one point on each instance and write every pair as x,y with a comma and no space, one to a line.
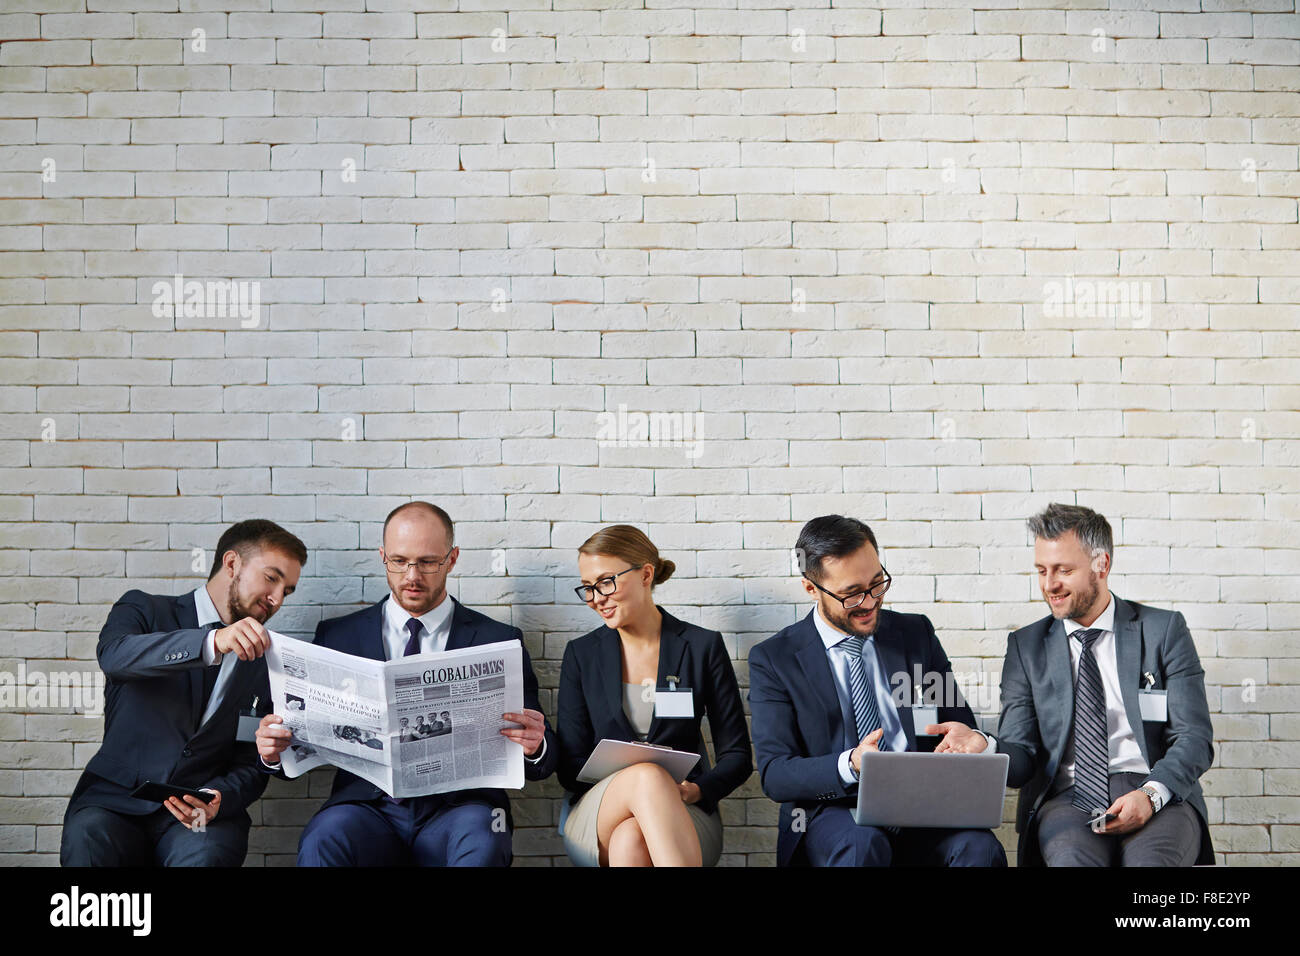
423,565
606,585
877,591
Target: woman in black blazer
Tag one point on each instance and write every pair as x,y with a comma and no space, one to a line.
609,682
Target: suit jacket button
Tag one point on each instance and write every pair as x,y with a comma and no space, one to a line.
187,752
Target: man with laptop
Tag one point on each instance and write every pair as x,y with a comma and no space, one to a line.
831,697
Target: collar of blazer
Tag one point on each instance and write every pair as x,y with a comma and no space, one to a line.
672,646
187,616
1128,654
370,636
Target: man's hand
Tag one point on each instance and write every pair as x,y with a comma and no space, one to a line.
247,638
272,738
689,791
870,742
1132,811
531,734
957,738
192,812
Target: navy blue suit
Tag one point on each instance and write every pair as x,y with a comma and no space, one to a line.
442,829
799,734
151,652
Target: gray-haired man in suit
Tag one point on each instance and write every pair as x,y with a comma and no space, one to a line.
1103,709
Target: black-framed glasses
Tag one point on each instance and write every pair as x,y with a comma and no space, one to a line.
877,591
605,585
423,565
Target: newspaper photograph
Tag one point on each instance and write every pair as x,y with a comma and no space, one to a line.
418,725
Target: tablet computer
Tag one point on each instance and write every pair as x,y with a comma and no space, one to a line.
159,792
611,756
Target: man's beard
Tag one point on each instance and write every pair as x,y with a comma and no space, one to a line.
1079,603
239,611
839,616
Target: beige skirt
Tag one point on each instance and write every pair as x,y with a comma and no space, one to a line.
583,846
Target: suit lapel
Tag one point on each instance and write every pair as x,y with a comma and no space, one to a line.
368,639
1056,648
811,654
671,649
187,617
463,628
1128,653
609,676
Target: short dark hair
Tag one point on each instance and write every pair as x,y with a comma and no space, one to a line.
830,536
1057,519
257,534
432,509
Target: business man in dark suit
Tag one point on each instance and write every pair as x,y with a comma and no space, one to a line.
360,825
827,688
1103,708
180,670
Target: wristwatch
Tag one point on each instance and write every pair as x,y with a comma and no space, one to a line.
1154,797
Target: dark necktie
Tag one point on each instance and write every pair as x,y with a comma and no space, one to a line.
865,712
1091,741
413,642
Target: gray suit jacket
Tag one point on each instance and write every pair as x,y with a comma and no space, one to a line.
1038,710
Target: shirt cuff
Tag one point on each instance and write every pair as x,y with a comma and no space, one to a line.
273,767
540,754
847,777
1165,793
992,747
210,655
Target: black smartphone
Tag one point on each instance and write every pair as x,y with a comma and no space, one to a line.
159,792
1094,821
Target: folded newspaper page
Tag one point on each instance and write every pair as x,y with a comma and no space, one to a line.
423,724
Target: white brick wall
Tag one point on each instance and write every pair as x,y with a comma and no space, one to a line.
856,246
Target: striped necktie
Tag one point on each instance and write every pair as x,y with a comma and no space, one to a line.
862,692
1091,741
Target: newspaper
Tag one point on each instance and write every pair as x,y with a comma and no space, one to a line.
423,724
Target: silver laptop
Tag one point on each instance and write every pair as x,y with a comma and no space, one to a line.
931,790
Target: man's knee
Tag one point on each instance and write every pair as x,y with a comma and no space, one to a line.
223,843
976,848
329,839
480,836
858,846
95,836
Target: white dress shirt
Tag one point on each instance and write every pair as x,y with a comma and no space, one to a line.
838,656
1122,746
434,635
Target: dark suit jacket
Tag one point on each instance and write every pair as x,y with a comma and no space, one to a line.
1038,710
361,633
591,705
798,725
151,652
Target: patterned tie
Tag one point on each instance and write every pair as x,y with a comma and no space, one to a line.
1091,741
865,712
413,643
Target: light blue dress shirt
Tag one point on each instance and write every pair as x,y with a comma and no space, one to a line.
838,657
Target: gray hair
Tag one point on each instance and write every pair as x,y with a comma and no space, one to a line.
1058,519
